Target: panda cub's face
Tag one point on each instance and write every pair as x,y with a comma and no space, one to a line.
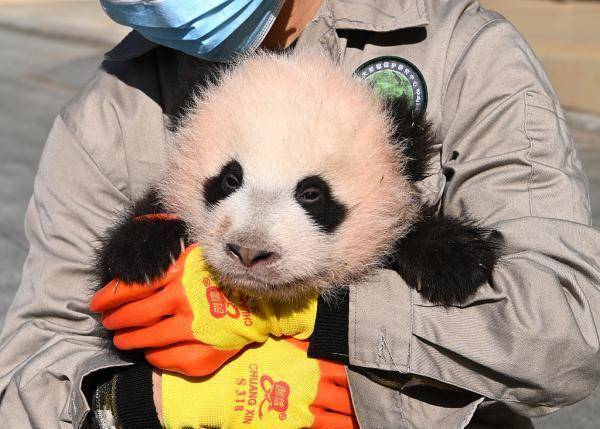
286,176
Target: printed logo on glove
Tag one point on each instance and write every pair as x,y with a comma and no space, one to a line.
274,385
219,304
276,396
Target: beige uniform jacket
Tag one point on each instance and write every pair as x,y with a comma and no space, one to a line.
526,344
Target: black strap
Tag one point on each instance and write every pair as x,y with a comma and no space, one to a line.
134,400
330,337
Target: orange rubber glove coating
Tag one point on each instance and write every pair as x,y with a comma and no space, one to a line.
157,317
189,358
274,385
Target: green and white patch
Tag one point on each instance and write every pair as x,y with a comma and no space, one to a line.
395,77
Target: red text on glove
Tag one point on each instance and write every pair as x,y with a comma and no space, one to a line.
218,304
276,396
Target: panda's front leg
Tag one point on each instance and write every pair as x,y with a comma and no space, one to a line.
447,259
142,245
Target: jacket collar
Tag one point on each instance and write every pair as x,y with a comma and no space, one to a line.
368,15
134,45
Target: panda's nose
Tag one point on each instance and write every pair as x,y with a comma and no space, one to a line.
249,257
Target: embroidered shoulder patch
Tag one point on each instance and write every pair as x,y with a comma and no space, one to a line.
395,77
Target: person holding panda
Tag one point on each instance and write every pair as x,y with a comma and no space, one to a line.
523,347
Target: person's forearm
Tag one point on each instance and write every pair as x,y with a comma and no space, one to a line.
50,342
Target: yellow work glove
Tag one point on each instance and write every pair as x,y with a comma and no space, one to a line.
274,385
186,307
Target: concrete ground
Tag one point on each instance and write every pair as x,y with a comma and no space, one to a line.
42,66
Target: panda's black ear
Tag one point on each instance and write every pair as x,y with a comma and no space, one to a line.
140,246
447,259
414,135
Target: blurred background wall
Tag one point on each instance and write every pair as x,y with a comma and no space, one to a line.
49,48
566,37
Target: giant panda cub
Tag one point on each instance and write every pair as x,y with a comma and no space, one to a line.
293,177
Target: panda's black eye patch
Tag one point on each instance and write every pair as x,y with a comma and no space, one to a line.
219,187
315,197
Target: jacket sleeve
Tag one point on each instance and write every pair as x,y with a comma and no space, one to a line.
50,341
529,338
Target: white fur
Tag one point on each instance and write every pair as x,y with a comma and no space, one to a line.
284,118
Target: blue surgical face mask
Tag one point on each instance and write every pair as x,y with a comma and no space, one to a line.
215,30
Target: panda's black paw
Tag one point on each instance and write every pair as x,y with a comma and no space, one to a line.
140,247
447,259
